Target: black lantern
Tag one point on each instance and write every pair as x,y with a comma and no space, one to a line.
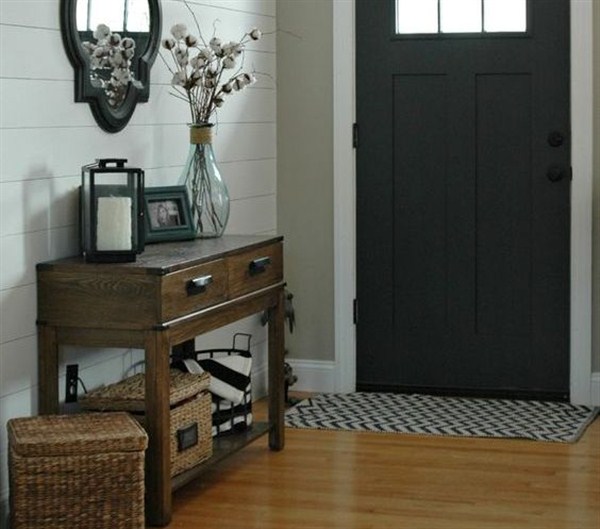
112,200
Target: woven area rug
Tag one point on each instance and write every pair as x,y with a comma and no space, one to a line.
432,415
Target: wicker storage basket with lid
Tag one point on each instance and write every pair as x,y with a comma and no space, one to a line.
190,403
84,471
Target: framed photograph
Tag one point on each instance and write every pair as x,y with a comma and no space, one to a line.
167,214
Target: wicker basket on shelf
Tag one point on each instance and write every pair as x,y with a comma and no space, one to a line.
190,403
84,471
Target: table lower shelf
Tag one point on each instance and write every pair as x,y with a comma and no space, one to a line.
223,447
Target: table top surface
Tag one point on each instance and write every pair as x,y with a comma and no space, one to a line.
163,258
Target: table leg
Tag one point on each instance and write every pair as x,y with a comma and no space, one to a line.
47,370
276,375
184,350
158,456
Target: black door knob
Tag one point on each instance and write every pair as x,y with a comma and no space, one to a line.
556,173
556,138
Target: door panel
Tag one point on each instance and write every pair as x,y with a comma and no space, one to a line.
462,238
503,204
420,201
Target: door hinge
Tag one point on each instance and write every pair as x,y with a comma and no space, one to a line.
355,135
571,173
354,311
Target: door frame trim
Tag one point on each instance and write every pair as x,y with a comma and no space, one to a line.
344,185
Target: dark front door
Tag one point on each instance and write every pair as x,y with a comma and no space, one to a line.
463,196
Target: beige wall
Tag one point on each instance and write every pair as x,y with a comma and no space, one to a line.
596,222
305,170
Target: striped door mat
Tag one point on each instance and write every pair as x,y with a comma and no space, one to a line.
451,416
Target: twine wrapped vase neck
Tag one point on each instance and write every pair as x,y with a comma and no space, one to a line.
201,134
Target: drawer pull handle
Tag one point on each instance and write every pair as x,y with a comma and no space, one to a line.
258,265
198,285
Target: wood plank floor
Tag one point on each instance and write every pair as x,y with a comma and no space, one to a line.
352,480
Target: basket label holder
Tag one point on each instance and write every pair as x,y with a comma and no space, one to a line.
187,437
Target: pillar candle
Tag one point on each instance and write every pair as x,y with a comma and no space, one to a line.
113,230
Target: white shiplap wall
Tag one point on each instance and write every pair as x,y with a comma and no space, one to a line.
44,140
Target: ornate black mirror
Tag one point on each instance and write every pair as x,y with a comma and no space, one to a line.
111,45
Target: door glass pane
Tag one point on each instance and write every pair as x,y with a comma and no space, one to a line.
416,16
505,15
460,16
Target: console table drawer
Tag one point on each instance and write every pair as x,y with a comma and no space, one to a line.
255,269
94,299
193,289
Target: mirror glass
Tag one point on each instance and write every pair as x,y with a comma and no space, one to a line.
111,44
124,16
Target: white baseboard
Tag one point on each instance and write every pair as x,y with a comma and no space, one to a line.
595,389
319,376
313,375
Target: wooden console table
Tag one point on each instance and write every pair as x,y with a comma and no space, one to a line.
174,292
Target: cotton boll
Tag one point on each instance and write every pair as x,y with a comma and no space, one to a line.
197,62
255,34
228,62
191,41
102,31
226,49
181,54
215,44
178,79
114,39
128,43
206,53
169,44
179,31
117,59
89,47
122,76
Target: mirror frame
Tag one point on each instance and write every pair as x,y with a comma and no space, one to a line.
108,118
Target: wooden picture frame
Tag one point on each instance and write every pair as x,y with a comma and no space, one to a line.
167,214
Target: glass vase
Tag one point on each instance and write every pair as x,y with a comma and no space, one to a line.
209,199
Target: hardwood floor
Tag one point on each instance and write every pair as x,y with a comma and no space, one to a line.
351,480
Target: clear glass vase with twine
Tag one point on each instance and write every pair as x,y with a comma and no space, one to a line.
209,199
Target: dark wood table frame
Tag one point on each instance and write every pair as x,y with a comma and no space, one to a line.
157,343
